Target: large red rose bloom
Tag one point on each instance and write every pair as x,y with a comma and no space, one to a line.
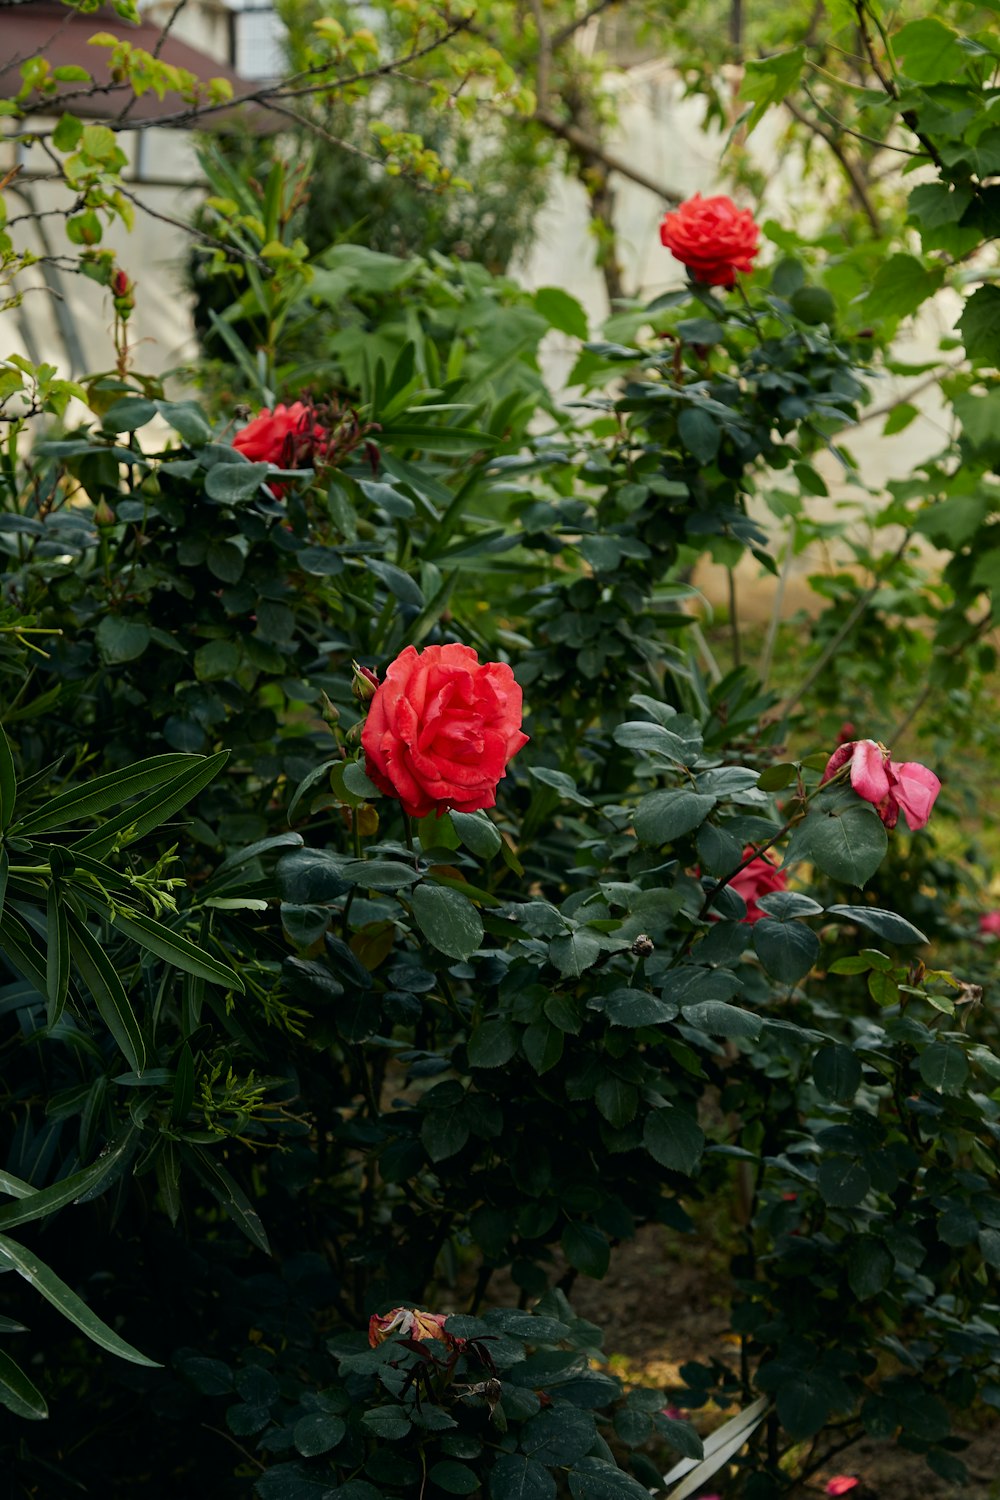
441,729
712,237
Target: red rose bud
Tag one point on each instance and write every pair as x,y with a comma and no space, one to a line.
409,1322
846,732
441,730
891,786
712,237
364,683
120,284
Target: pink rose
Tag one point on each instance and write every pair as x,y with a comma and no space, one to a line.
759,878
441,729
289,438
712,237
840,1484
989,923
408,1321
888,784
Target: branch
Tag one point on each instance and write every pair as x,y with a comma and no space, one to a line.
854,177
198,234
544,56
262,95
562,36
591,150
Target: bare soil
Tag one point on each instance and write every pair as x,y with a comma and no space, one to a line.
665,1301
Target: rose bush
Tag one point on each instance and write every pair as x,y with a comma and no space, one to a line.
712,237
441,729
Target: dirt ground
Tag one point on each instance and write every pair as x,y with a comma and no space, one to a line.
661,1305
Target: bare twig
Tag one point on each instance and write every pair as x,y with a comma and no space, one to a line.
563,35
586,146
858,185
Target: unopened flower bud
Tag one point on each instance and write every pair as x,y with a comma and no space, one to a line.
364,683
103,514
643,946
120,284
329,712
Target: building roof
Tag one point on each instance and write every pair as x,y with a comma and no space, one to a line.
45,28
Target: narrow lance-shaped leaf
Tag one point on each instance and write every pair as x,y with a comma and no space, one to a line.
57,952
8,782
17,946
62,1297
41,1202
18,1393
170,946
150,811
230,1195
103,792
101,978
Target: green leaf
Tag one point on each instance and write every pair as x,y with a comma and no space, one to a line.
155,808
586,1248
318,1433
842,1183
67,133
980,326
562,311
787,950
719,1019
8,783
561,783
40,1203
103,792
770,81
229,1193
448,920
47,1283
901,285
616,1100
543,1045
101,978
179,951
869,1267
674,1139
664,816
453,1477
806,1403
846,839
515,1477
386,1422
121,640
700,433
492,1044
931,51
57,954
477,833
559,1435
944,1067
230,483
217,660
574,952
886,924
17,1392
836,1071
19,948
594,1479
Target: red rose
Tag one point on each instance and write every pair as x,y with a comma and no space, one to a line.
441,729
289,437
759,878
712,237
989,923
